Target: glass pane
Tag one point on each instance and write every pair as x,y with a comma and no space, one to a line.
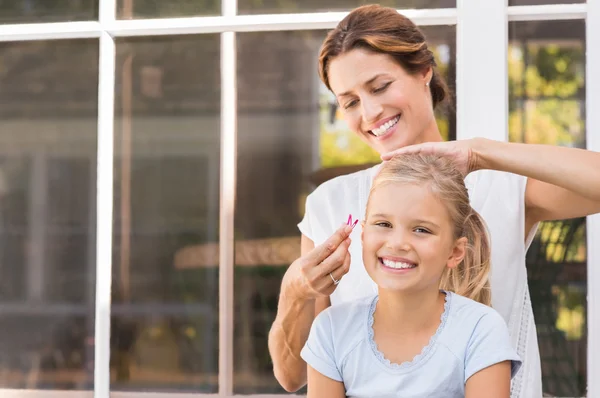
34,11
282,6
541,2
48,122
290,139
547,105
165,264
130,9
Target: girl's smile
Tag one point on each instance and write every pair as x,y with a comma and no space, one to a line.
407,237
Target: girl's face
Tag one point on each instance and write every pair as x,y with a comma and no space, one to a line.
384,105
408,238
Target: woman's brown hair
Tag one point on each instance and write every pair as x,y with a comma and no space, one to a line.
383,30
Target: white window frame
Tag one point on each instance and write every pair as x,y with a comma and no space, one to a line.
482,94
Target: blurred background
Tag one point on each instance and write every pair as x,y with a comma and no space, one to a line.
164,326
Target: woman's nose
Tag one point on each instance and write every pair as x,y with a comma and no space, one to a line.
371,111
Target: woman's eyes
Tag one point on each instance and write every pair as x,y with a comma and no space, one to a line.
350,104
382,88
377,90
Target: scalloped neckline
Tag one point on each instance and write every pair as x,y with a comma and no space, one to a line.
425,352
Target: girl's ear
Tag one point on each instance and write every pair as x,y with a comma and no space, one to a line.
458,252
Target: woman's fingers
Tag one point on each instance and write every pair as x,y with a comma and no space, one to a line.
326,249
317,275
336,274
334,261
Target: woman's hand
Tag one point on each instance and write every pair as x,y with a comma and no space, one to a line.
463,153
317,273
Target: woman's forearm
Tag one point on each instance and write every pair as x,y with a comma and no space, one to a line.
576,170
287,338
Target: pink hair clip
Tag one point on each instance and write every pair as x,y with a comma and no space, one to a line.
350,221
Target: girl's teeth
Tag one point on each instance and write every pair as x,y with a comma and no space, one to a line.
397,265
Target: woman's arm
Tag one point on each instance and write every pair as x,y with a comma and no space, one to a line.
306,280
321,304
563,182
320,386
491,382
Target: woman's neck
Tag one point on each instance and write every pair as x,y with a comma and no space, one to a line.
431,133
409,312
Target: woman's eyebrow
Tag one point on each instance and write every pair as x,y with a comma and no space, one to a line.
370,81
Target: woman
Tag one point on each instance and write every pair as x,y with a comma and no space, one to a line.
377,64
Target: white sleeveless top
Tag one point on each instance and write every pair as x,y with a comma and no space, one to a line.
500,199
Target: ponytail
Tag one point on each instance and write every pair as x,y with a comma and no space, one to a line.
471,277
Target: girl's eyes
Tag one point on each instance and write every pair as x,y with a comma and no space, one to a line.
386,224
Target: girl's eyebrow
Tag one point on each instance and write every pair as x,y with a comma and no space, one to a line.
416,221
380,215
430,223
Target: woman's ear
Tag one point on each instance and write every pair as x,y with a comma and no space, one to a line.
458,252
427,76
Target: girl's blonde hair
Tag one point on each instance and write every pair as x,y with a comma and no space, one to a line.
471,277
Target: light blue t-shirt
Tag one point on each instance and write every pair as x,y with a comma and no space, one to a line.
471,337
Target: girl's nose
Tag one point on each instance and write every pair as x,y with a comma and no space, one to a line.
399,241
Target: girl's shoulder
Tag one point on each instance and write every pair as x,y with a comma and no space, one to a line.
340,328
349,315
479,335
467,311
468,318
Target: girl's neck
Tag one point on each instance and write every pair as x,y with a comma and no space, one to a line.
409,312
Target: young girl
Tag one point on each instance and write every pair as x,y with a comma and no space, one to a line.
430,331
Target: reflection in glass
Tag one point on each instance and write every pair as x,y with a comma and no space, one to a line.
34,11
280,6
547,105
130,9
290,139
48,119
165,266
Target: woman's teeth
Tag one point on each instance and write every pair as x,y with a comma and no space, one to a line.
385,127
397,264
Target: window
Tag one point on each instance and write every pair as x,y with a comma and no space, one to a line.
48,214
122,219
546,71
164,329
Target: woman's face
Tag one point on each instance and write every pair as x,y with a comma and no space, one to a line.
381,102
